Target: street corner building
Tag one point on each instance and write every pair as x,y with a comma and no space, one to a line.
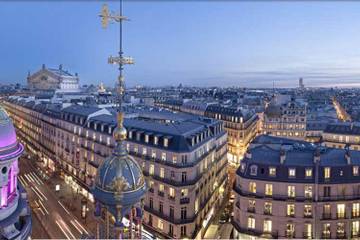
15,216
294,189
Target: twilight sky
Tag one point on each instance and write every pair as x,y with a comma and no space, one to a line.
199,43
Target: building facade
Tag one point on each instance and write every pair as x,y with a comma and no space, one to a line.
286,120
183,158
341,135
53,79
241,127
15,215
293,189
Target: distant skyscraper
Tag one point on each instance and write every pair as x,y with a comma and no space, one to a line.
301,83
15,217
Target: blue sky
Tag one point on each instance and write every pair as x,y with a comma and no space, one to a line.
200,43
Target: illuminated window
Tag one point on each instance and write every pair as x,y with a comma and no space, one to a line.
251,222
290,230
174,158
308,172
172,192
162,172
340,210
156,140
267,226
196,205
326,230
252,187
163,156
166,142
291,191
160,224
146,138
356,209
151,169
268,189
327,173
290,210
144,151
356,170
268,208
308,191
161,188
308,230
251,206
292,172
153,154
307,210
355,228
272,171
184,192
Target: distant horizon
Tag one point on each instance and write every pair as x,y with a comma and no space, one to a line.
249,45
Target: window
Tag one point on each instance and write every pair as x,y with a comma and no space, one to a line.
162,172
184,192
290,230
183,177
327,191
340,210
161,207
174,159
268,208
307,211
156,140
172,192
340,230
171,213
291,191
327,173
355,228
292,172
251,222
151,169
153,154
251,206
253,170
252,187
290,211
151,203
308,172
196,205
327,211
326,230
144,151
267,226
268,189
183,230
160,224
146,138
161,188
356,170
183,213
308,230
163,156
272,171
308,192
355,210
166,142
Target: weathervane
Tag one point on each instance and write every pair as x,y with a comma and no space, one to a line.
120,60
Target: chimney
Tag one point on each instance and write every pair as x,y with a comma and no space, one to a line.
43,66
317,155
347,154
282,156
248,154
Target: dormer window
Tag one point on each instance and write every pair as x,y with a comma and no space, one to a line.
137,136
102,128
253,170
156,140
192,141
292,172
130,135
166,142
109,130
146,138
327,172
308,173
356,170
242,167
272,171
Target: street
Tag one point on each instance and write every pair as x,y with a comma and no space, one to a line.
48,210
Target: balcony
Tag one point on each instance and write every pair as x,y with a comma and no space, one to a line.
151,190
340,215
326,235
307,235
172,198
341,235
161,193
267,212
355,214
308,215
290,234
184,200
